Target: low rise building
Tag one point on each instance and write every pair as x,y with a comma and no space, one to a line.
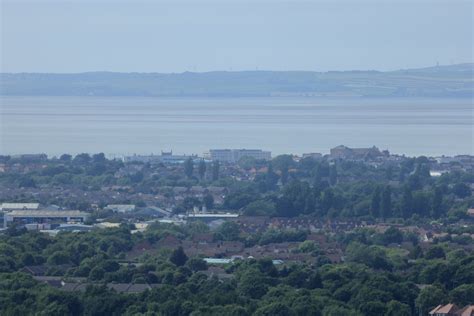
18,206
209,217
165,157
234,155
121,208
315,156
452,310
24,217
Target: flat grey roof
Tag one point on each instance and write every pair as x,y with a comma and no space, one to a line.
19,206
43,213
205,215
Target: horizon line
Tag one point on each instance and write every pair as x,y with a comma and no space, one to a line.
235,71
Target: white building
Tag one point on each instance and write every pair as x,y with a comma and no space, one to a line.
121,208
19,206
165,157
313,155
42,217
234,155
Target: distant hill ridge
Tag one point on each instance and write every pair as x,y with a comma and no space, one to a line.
439,81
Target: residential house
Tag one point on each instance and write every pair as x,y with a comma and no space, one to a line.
452,310
467,311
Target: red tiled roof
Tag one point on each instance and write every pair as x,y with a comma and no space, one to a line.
444,309
467,311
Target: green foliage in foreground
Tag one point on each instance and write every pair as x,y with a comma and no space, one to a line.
374,280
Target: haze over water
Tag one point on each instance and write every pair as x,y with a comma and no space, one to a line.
127,125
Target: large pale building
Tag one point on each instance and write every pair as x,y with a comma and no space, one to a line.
42,217
18,206
165,157
234,155
121,208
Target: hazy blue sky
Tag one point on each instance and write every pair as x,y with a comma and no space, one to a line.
175,36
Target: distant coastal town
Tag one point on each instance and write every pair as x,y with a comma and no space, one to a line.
236,158
28,201
230,207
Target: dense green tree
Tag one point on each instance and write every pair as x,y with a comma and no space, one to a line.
389,173
392,235
372,256
465,272
58,257
333,174
373,308
196,264
284,175
461,190
437,203
274,309
28,259
435,252
308,246
238,200
421,203
297,199
395,308
202,169
277,236
215,170
462,295
188,167
335,310
82,158
208,201
178,257
406,207
97,273
327,201
196,227
321,171
26,182
386,204
429,298
375,206
271,178
137,177
190,202
260,207
252,284
65,157
416,252
99,158
283,163
228,231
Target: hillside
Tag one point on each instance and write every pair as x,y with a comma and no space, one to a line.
439,81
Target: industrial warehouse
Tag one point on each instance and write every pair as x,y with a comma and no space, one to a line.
24,217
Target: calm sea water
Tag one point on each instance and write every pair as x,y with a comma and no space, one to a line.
126,125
